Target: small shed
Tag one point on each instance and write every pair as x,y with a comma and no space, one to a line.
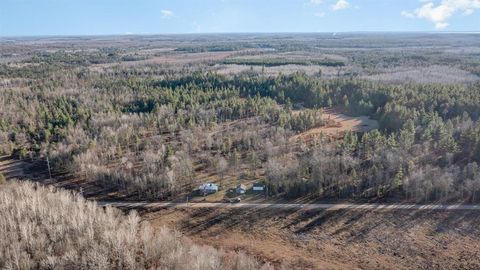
208,188
258,187
241,189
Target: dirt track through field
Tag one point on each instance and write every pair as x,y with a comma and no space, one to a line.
286,206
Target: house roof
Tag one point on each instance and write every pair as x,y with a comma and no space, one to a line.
208,186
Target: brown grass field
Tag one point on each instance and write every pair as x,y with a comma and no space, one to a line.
337,239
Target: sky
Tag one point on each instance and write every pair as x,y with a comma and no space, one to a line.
108,17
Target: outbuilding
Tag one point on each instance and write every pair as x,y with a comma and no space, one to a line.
258,187
241,189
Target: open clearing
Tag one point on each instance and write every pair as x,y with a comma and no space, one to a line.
327,72
170,59
343,239
425,75
338,124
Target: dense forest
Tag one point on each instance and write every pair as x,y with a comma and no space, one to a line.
147,131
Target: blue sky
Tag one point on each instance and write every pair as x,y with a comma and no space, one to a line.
99,17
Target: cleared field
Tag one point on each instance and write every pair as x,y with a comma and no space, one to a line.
425,75
338,124
327,72
171,59
343,239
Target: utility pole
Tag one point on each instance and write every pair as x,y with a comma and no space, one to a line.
49,170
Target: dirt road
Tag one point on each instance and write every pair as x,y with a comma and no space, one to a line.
15,169
145,205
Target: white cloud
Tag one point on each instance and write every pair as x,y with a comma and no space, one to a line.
407,14
341,4
319,14
316,2
166,13
439,14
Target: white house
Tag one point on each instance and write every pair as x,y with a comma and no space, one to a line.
208,188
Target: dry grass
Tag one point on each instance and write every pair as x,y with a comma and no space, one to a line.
427,75
336,239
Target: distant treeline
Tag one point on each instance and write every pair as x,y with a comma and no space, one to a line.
271,62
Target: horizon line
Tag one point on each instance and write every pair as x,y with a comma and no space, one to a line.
235,33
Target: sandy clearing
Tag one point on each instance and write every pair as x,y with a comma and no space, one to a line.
340,123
